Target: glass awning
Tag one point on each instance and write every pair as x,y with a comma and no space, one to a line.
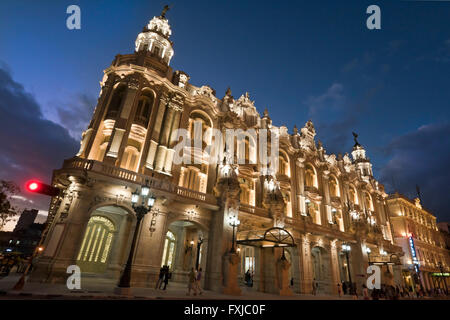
273,237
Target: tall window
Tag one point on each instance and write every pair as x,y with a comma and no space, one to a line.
115,103
334,191
353,195
130,158
368,201
310,176
245,194
169,250
143,109
96,245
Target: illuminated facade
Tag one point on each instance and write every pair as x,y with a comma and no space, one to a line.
416,231
317,201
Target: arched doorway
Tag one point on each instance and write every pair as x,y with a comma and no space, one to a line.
185,247
321,266
105,242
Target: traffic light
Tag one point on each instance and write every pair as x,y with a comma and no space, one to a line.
42,188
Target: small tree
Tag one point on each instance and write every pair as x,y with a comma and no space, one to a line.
7,211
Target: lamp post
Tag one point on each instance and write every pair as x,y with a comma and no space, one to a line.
234,222
199,244
147,202
346,249
368,251
441,268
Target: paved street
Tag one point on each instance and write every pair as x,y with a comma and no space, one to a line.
103,290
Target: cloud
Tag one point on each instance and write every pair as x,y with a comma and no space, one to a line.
335,115
421,157
32,146
443,52
332,98
75,114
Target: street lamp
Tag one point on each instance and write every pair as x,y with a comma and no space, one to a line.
346,249
234,222
199,245
368,251
147,202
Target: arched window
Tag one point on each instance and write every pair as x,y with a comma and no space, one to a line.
190,178
143,110
169,250
353,195
310,176
334,187
116,102
368,201
288,206
283,164
96,244
245,194
130,158
101,151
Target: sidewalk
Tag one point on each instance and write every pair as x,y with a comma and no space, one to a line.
104,289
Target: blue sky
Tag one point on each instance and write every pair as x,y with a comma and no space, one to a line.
300,59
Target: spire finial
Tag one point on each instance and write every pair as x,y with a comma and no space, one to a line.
165,9
355,137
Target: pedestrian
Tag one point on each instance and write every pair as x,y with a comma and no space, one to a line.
160,278
167,276
191,283
314,287
375,294
339,289
247,278
198,281
292,282
365,292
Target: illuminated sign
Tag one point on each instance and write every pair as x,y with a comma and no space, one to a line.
438,274
413,254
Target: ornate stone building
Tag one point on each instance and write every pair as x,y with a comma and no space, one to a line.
293,222
416,231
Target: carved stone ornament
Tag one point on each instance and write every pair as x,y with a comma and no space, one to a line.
133,83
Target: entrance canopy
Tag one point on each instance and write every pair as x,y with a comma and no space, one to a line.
273,237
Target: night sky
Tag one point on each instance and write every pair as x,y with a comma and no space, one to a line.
302,60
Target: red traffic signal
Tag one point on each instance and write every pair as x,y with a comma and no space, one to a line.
42,188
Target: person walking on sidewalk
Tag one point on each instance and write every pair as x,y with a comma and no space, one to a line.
365,292
314,286
198,281
339,289
160,278
191,283
167,276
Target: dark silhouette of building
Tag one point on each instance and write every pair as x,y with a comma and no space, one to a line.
25,236
26,219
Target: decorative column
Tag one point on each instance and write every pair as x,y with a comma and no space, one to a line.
334,266
222,264
301,186
119,138
306,266
283,276
326,192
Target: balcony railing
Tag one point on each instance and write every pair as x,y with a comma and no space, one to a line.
134,177
311,189
254,210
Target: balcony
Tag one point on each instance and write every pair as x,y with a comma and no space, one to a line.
311,189
134,177
253,210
